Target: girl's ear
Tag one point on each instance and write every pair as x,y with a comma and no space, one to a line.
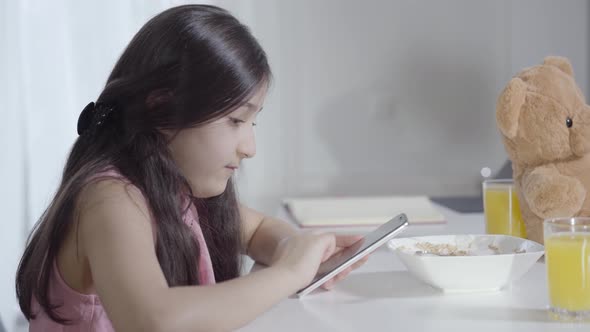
158,97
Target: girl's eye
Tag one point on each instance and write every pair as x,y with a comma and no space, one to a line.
236,121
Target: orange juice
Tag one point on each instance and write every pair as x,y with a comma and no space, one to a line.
567,256
502,212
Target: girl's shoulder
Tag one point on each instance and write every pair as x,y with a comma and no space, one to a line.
110,195
108,185
109,211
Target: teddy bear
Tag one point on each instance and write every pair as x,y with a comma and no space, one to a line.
544,122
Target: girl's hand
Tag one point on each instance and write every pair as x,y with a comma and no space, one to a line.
302,254
343,241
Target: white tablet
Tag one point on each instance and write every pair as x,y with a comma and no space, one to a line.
355,252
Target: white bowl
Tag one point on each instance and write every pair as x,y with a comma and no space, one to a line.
475,263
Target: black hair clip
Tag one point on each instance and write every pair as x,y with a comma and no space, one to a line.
92,117
85,118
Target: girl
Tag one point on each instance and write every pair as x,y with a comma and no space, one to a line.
145,232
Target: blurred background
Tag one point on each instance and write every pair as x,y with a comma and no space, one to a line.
370,98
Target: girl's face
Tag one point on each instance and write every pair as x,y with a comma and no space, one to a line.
208,155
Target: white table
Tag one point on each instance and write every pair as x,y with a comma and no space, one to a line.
383,296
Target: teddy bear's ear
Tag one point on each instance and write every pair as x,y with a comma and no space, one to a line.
508,107
560,62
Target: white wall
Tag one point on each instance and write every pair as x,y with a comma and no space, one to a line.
388,98
546,27
376,97
396,97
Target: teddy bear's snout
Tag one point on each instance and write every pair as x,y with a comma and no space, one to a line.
579,127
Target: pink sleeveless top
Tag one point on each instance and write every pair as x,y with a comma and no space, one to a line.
86,310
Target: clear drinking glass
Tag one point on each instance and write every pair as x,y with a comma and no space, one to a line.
567,256
501,208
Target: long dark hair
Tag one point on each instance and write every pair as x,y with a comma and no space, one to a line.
186,66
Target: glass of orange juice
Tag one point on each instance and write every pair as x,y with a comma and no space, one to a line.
567,256
501,208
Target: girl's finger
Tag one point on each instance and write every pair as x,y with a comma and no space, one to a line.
331,246
328,284
344,273
360,262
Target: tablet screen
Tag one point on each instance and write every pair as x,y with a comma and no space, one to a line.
360,246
